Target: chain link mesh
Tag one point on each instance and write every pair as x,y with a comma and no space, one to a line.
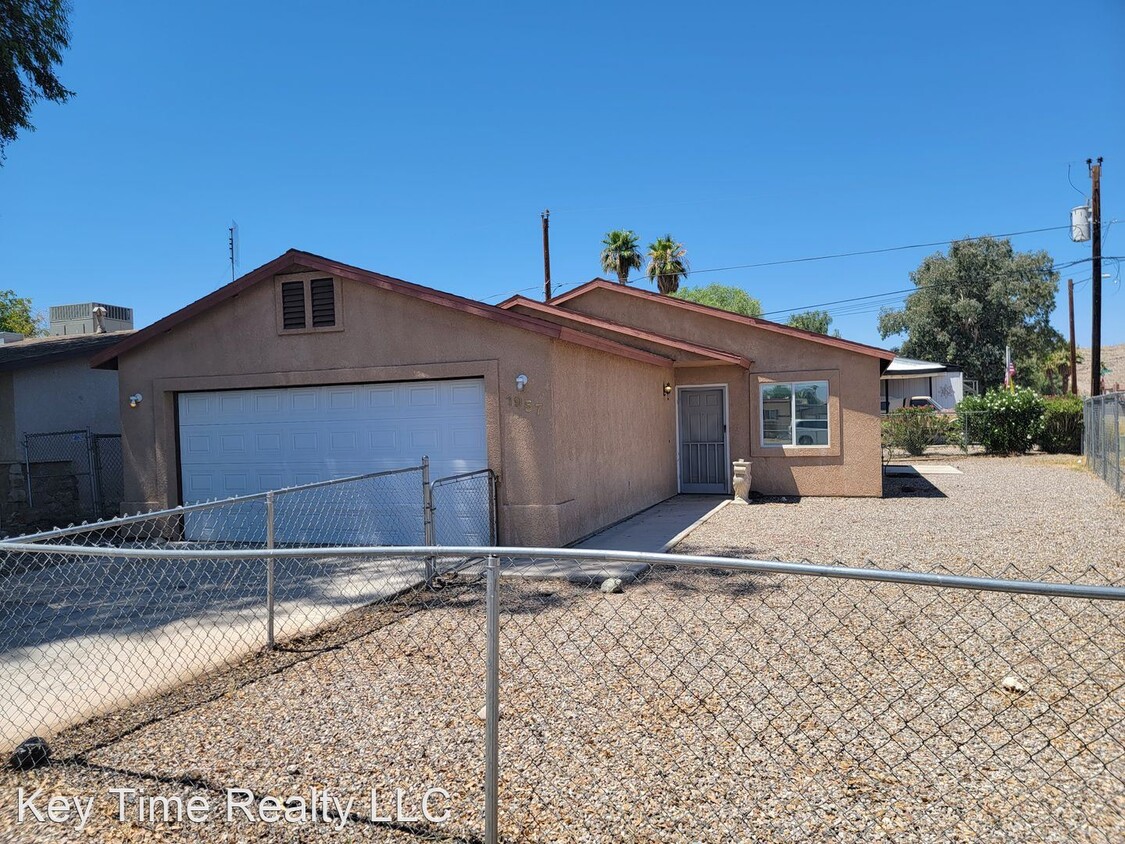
726,706
701,702
464,509
1104,435
89,633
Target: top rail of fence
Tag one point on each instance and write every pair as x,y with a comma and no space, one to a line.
464,476
55,434
905,577
204,505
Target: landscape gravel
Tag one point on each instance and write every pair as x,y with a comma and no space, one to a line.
695,705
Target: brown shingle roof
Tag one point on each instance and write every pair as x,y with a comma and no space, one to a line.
37,350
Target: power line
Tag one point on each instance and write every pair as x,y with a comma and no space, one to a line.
869,251
812,258
895,294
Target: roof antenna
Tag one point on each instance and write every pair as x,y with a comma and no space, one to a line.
233,248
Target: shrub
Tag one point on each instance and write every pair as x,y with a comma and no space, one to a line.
1003,422
1062,425
914,429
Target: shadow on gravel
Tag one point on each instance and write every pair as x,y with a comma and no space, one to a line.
910,487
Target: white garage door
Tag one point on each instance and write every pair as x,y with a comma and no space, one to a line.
236,442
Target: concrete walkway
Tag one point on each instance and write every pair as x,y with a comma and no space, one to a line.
913,470
657,529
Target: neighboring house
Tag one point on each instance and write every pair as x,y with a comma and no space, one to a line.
603,403
48,387
906,378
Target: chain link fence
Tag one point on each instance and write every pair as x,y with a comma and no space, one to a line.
109,474
163,597
575,695
1104,438
65,477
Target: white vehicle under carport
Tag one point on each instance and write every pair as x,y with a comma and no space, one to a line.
812,431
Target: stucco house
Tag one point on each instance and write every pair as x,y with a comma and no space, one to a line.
53,401
604,402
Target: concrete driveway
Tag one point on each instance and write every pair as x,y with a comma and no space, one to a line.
88,635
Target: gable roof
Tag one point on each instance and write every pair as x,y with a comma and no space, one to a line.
33,351
716,355
757,322
295,258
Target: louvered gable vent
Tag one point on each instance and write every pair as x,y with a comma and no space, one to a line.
293,304
323,299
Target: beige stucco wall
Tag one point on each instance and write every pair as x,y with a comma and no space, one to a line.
852,463
392,337
615,431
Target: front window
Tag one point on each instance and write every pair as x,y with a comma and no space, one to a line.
795,414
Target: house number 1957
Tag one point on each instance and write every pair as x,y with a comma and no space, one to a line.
526,405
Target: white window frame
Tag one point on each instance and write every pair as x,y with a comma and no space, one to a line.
763,386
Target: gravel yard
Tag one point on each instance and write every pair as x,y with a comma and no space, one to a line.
696,706
1034,517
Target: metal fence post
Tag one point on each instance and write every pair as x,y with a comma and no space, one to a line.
493,509
492,701
271,544
93,462
428,518
27,469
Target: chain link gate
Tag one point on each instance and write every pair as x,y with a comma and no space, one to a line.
1104,438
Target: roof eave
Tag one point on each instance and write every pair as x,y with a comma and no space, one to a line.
713,356
764,324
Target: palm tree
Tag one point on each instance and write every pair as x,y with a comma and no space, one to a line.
622,253
666,264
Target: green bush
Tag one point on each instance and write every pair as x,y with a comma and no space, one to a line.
914,429
1003,422
1062,425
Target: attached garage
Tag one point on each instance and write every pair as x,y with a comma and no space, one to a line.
236,442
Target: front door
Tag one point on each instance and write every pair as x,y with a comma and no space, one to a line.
703,434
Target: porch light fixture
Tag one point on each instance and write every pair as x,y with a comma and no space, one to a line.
667,389
135,399
521,382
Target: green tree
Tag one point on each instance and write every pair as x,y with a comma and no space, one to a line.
972,302
733,299
16,315
1056,370
33,34
622,253
666,263
818,321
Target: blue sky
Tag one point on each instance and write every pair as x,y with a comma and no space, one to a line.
422,140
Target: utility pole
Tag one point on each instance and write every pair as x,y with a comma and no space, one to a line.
1096,306
546,215
1073,351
